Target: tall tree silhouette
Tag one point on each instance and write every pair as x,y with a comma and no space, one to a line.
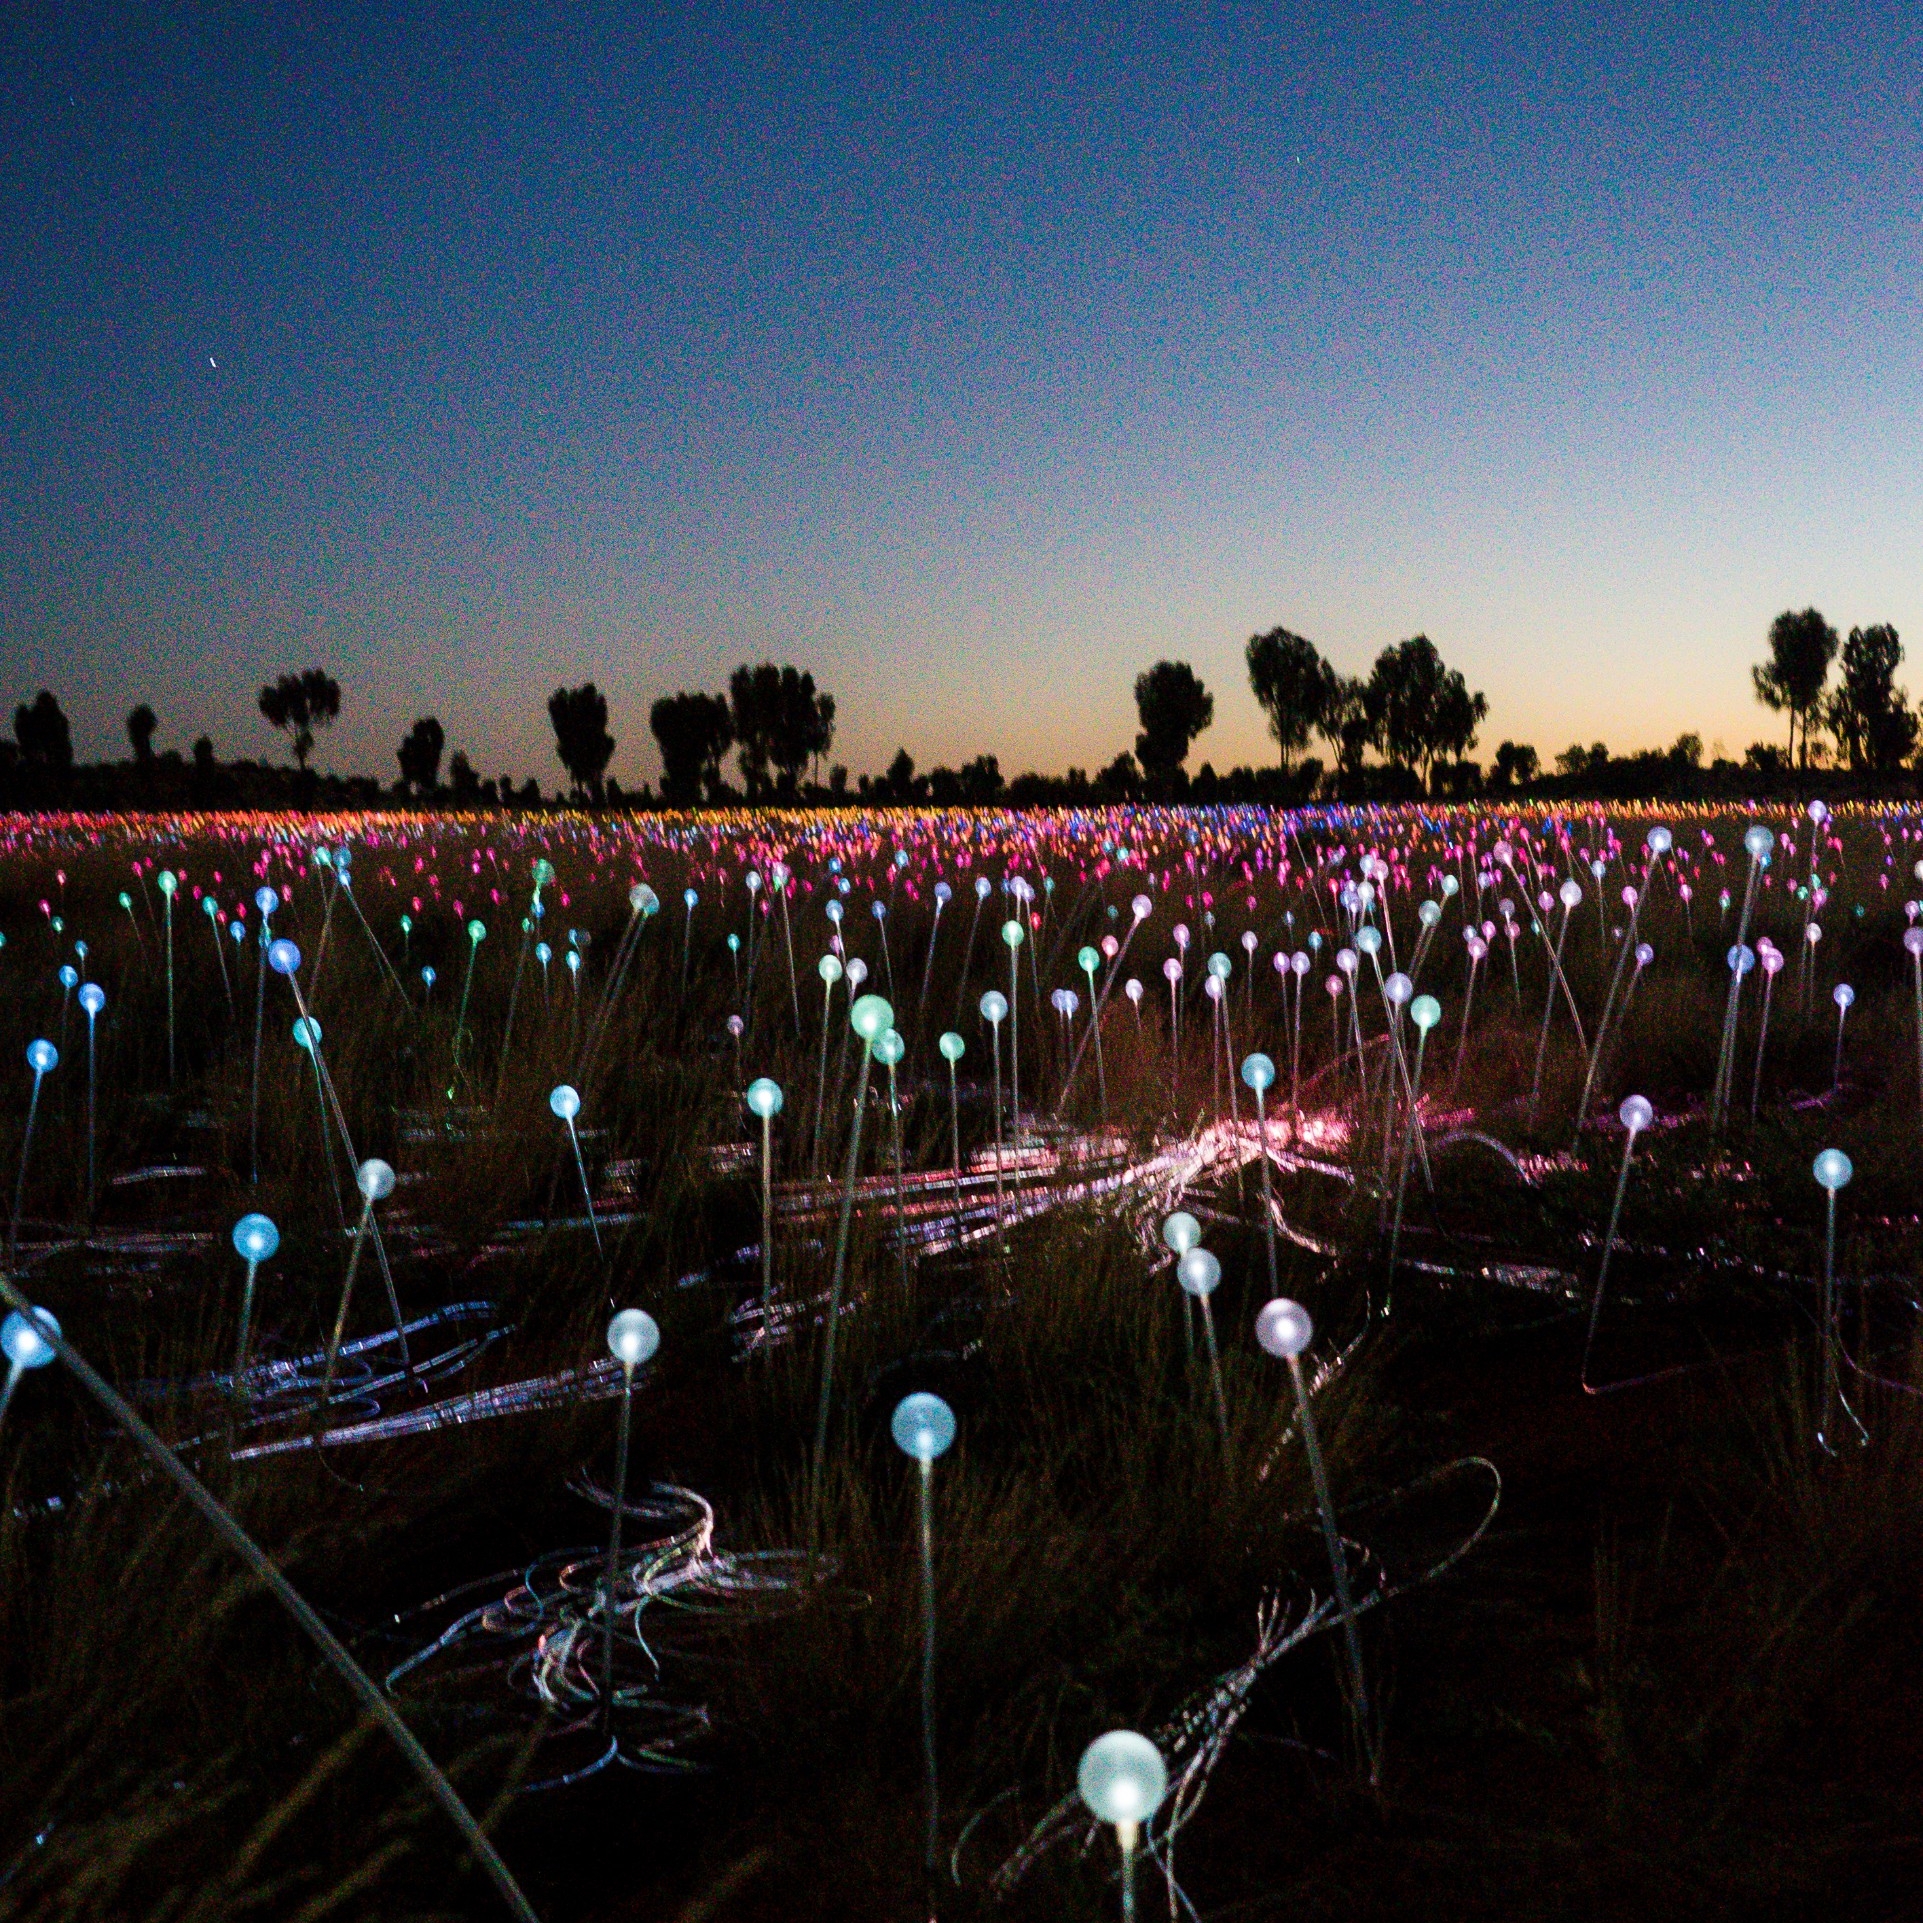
1801,648
300,705
41,732
420,755
780,723
581,738
141,723
1418,709
1173,707
1869,714
693,732
1293,685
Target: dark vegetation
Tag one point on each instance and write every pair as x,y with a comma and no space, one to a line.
1677,1677
1403,732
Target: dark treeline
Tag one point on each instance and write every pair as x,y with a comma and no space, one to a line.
1405,731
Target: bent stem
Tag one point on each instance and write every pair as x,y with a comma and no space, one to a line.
256,1559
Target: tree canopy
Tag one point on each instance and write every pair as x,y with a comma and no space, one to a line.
1294,686
1174,708
693,732
300,705
1801,648
581,738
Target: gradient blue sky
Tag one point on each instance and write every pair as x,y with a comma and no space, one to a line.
970,357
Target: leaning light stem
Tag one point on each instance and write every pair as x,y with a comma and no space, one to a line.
373,1700
1609,1249
610,1611
587,1194
1338,1567
1402,1176
20,1187
933,1842
767,1230
834,1289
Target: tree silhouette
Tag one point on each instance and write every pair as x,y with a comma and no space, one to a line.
779,723
420,755
1801,648
40,729
1293,685
1174,708
300,704
1417,708
1515,764
693,731
141,723
581,738
1869,714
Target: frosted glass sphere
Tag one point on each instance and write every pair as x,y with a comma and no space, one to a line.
1817,810
1635,1113
1012,932
1172,970
983,887
255,1238
307,1033
829,969
1659,840
1645,954
1180,932
857,971
565,1101
1248,942
1741,958
1133,990
167,881
266,900
543,953
1299,961
889,1047
736,1027
375,1179
1759,841
1220,966
1833,1169
1110,946
994,1006
1334,986
477,932
923,1426
763,1097
1425,1011
1122,1778
753,882
871,1017
879,909
69,977
1088,960
1141,906
1570,893
42,1056
1398,988
1214,988
834,912
1283,1328
1429,913
1772,959
1368,940
25,1346
282,956
688,899
430,978
1843,995
1258,1071
633,1337
1450,888
943,896
1181,1232
952,1047
1199,1272
93,998
1912,942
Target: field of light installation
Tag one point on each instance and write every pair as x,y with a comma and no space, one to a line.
1411,1313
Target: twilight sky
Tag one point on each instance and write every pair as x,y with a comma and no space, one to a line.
973,358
